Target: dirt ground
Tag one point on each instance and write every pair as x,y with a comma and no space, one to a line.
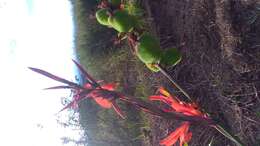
220,43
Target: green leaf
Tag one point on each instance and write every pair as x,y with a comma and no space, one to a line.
149,49
102,16
171,57
121,21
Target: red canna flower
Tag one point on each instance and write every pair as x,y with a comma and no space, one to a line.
180,133
178,106
103,102
102,94
175,104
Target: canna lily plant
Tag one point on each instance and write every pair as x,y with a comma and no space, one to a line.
105,95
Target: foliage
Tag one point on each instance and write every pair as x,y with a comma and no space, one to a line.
127,19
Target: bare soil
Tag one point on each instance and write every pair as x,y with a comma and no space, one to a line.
220,43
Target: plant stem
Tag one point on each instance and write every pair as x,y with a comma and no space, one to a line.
148,107
227,134
166,74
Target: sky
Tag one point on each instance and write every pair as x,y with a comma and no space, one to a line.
33,33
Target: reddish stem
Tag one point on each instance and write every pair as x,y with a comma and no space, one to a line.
155,110
132,41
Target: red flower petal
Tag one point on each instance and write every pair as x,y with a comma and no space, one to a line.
105,103
187,137
161,98
173,137
109,86
180,133
164,92
187,109
176,105
184,133
88,86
